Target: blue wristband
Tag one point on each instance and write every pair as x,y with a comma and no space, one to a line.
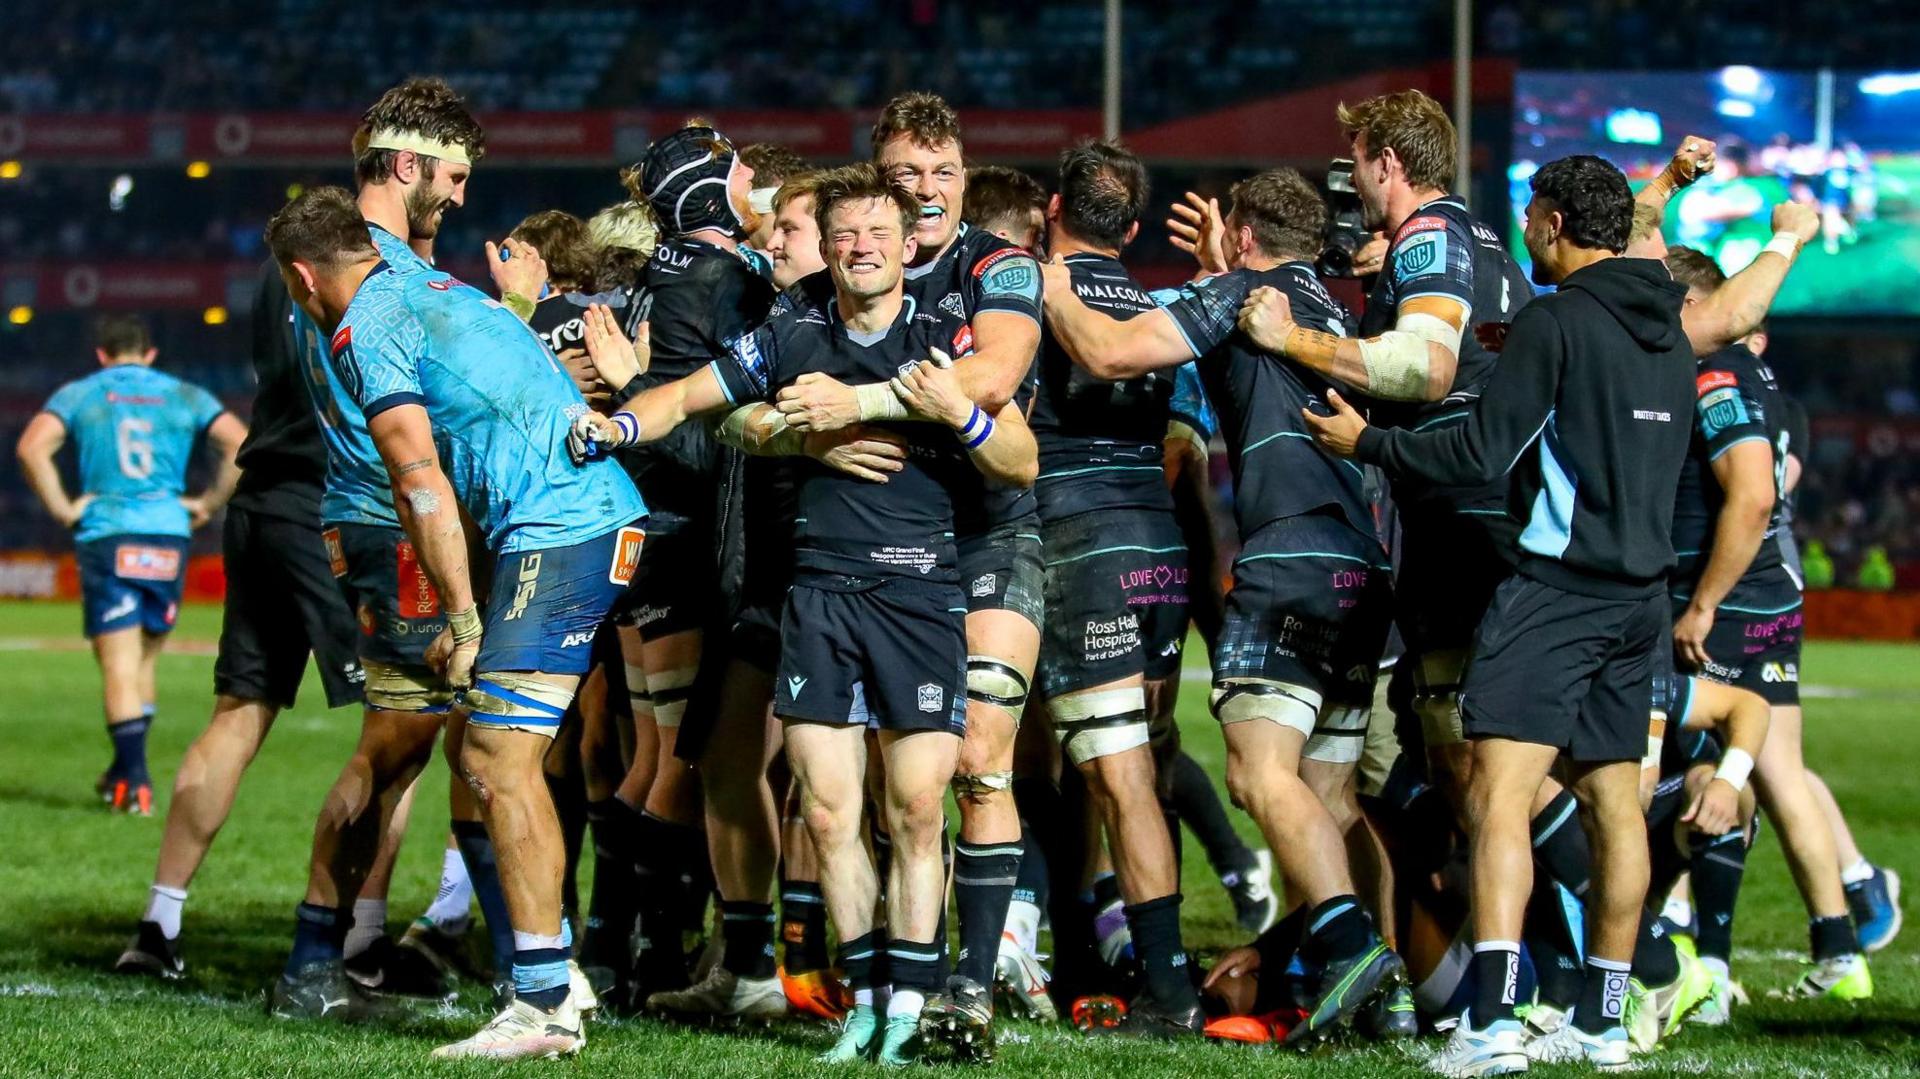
986,432
973,420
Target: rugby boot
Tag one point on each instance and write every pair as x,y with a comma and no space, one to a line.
151,953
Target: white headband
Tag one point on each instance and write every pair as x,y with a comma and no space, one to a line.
390,139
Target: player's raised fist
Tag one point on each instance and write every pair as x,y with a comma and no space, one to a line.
1797,219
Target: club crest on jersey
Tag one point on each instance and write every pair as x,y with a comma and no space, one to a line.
931,697
953,305
1008,271
1421,256
983,585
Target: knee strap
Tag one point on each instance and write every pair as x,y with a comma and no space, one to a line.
396,688
992,681
518,701
1099,723
1238,700
670,691
1340,737
638,699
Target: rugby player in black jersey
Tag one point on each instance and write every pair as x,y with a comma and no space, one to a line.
1418,359
993,289
873,631
1008,203
1737,614
1115,556
1307,617
773,165
696,296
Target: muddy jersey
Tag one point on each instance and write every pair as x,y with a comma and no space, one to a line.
848,527
697,300
1100,441
1442,250
1278,469
980,273
1735,400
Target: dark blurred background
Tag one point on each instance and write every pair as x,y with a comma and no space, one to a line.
143,145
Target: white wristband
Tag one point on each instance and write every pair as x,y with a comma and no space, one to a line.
1735,766
1784,244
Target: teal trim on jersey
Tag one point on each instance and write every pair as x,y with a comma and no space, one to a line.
1270,438
1730,608
1311,554
1027,535
1438,420
1100,468
1693,690
1297,434
1114,550
1744,438
1484,513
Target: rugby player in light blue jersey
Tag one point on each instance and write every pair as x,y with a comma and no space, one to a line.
136,430
470,411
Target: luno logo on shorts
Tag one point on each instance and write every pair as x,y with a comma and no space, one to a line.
932,697
1780,672
983,585
529,581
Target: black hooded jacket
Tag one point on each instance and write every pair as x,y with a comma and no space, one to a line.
1588,412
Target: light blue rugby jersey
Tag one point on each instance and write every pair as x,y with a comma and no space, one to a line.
358,490
135,430
499,401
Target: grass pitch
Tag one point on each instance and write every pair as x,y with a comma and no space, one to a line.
73,880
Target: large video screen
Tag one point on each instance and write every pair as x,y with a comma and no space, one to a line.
1847,142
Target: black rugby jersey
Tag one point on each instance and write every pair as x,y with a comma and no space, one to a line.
1442,250
1278,470
849,526
1735,400
1101,442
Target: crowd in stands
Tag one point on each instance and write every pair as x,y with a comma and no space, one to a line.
147,55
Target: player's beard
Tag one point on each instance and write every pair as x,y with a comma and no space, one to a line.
423,214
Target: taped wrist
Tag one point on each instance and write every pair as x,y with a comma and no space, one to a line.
1397,362
465,625
1178,431
879,402
518,304
1735,766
